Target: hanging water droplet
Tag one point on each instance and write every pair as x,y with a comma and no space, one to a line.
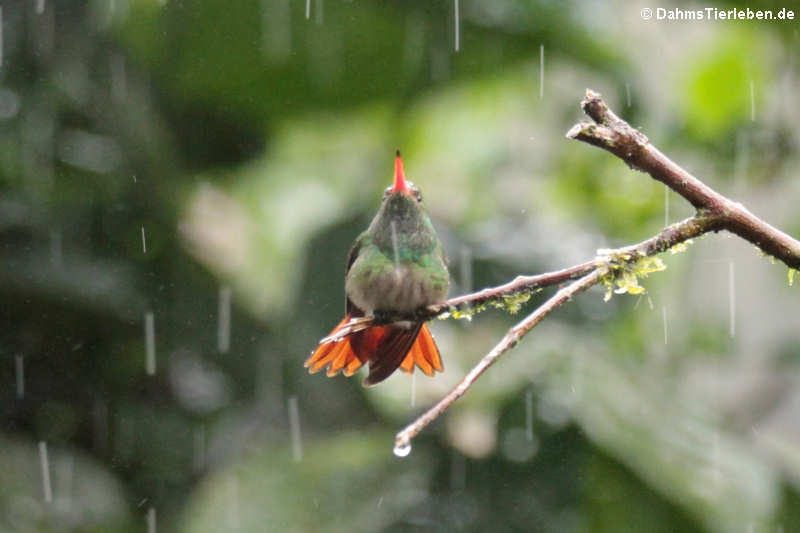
402,450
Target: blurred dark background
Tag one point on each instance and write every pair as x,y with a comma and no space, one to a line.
180,182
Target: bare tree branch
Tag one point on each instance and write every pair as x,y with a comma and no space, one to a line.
518,285
714,212
601,268
473,302
667,238
613,134
510,340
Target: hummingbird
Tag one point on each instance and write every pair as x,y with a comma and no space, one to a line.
396,266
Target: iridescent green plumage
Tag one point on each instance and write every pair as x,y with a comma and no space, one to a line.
397,265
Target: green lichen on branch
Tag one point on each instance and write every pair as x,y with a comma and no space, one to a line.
623,270
514,302
773,260
511,302
680,247
465,313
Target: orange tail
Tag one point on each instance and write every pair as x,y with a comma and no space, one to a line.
385,348
335,355
424,353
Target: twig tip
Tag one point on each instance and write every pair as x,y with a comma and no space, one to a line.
574,131
594,106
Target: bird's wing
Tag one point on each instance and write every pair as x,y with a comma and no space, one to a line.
349,307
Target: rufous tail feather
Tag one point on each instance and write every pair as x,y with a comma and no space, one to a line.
386,348
392,348
335,355
423,353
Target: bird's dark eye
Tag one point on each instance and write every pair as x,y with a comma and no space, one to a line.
386,192
417,193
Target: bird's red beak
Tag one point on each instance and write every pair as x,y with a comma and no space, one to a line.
399,175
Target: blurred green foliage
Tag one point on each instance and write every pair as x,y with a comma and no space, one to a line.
154,155
720,85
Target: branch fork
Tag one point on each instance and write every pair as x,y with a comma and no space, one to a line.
618,267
